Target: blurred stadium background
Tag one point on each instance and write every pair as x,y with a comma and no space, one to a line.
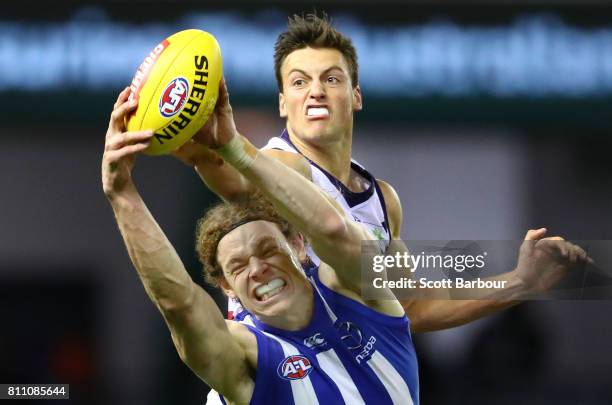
488,117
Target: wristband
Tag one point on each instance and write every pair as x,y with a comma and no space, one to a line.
239,153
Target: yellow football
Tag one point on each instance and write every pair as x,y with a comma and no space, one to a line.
176,87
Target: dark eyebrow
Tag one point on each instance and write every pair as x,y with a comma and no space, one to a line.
297,71
329,69
333,68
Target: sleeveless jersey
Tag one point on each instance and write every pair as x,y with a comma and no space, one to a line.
367,207
348,354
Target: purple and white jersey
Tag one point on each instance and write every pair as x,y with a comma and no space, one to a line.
366,207
348,354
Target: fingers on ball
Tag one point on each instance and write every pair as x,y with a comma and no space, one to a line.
123,95
118,154
119,113
119,140
137,147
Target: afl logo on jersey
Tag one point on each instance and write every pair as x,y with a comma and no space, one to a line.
173,97
294,367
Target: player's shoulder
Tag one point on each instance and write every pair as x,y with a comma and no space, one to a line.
388,306
388,191
393,206
245,338
240,331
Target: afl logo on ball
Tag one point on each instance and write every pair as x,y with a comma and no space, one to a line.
294,367
173,97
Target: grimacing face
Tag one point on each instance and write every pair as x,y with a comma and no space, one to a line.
262,269
318,98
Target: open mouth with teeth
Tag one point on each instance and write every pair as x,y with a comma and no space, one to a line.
270,289
317,112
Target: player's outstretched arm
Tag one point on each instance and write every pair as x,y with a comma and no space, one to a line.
198,329
434,310
542,263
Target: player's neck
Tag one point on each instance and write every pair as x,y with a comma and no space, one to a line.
334,157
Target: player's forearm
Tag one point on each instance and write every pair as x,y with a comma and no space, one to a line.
164,277
220,177
297,199
429,316
198,329
437,309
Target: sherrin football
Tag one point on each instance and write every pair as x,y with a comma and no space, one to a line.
176,87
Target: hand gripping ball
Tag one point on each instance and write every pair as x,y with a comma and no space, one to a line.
176,87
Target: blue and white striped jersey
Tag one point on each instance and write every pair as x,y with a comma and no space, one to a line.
348,354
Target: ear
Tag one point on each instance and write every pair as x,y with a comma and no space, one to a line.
297,242
282,109
357,99
225,287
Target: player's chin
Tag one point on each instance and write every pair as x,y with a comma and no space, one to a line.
269,310
318,123
317,131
